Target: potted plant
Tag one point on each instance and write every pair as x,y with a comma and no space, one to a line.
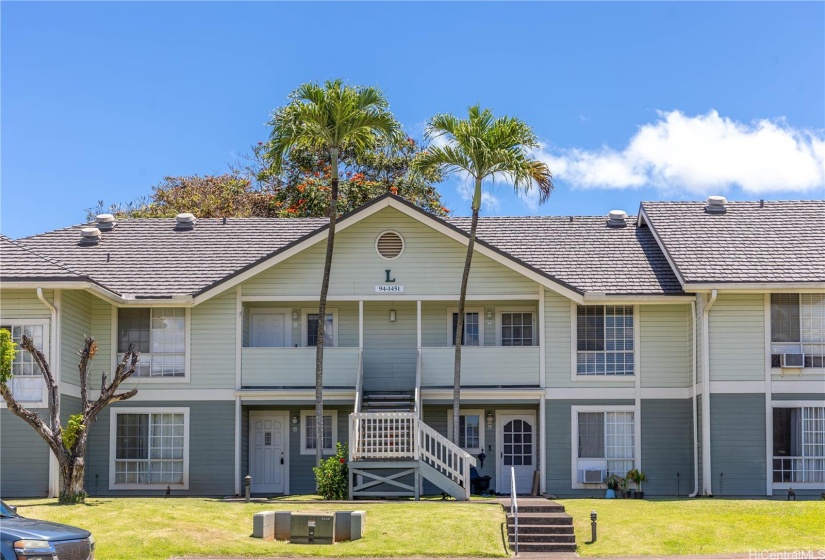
638,477
613,484
624,483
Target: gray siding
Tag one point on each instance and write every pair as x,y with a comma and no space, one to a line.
389,348
667,439
737,338
699,439
664,349
24,458
798,396
737,441
560,447
211,449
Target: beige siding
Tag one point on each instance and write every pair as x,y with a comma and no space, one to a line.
557,324
75,325
23,304
436,316
737,338
102,331
212,350
664,345
481,367
295,367
430,265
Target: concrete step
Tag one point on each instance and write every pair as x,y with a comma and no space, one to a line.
541,519
542,529
531,538
549,507
546,547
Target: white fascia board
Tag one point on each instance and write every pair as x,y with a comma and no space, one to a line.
594,298
493,394
644,219
757,287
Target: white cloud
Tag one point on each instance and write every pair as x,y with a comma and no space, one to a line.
701,155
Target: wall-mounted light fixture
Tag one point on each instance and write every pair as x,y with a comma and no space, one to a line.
295,318
392,315
489,314
295,424
294,315
489,420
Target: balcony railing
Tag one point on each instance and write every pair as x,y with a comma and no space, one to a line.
484,366
295,367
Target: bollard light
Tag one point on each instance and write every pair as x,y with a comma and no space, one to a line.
247,480
593,517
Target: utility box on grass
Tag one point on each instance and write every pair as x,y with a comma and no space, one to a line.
312,528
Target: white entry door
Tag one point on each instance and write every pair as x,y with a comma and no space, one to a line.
516,442
268,449
269,328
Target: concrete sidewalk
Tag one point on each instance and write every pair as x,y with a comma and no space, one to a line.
757,555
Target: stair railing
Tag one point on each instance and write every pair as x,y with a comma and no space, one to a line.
514,507
445,457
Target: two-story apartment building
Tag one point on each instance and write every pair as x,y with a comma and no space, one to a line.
687,341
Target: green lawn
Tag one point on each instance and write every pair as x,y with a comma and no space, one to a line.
158,528
698,526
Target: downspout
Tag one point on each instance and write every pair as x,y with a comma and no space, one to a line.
706,474
695,407
54,476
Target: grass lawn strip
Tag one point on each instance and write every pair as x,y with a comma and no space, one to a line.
158,528
698,526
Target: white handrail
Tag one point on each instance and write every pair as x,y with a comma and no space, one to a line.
514,507
402,435
359,381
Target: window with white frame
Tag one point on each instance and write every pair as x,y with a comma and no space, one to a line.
798,327
309,336
473,329
159,334
516,328
605,442
799,444
309,432
604,340
27,383
470,430
149,447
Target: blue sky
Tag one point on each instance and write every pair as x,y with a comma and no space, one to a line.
632,101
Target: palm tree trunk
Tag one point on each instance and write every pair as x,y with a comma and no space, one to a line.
322,312
459,328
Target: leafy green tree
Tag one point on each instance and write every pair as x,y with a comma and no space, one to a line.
328,119
67,443
482,147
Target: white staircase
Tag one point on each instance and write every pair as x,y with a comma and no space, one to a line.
388,448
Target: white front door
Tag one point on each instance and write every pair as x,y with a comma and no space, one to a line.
516,442
269,329
268,449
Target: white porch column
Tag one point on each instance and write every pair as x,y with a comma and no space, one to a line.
418,323
361,324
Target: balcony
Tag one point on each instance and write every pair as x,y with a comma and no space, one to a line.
295,367
485,366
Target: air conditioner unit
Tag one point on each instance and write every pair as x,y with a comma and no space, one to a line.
793,360
592,476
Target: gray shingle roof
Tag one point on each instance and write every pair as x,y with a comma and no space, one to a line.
583,252
149,258
20,264
778,241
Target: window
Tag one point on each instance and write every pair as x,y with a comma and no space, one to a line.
27,385
470,430
799,445
604,340
605,441
149,448
798,327
159,334
516,329
309,433
473,332
309,335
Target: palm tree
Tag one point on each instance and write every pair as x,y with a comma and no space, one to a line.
482,147
328,119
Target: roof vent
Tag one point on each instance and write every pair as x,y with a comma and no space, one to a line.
89,236
185,221
389,245
716,205
105,222
617,219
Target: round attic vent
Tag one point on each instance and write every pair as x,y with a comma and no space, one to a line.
89,236
389,245
617,218
186,220
105,222
716,205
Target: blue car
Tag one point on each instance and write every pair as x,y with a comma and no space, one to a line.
30,539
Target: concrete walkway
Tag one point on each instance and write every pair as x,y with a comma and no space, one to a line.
549,556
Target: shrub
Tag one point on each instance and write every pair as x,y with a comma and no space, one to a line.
332,476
